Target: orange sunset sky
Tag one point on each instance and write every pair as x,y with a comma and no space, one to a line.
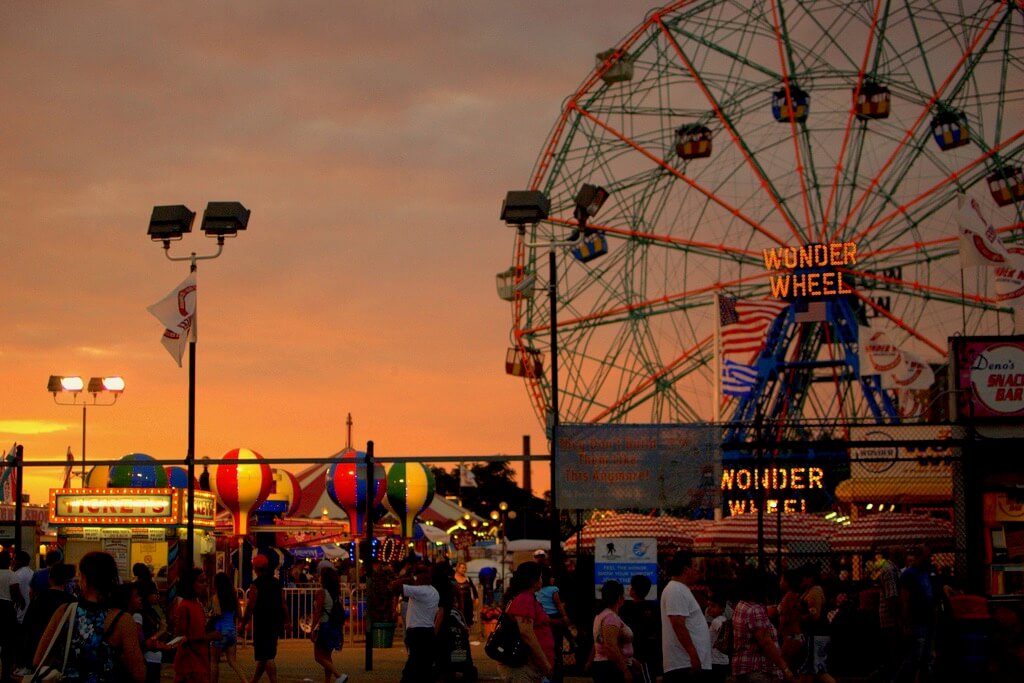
373,143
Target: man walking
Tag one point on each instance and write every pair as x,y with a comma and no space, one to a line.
266,600
420,623
685,639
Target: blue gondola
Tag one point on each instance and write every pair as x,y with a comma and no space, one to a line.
1007,185
693,141
949,128
801,105
873,101
590,247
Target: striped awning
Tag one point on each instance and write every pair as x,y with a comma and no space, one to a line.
896,490
667,531
740,531
893,528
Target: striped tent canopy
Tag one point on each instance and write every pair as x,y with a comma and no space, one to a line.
740,531
893,528
668,532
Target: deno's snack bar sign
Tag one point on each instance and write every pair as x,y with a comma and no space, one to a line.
989,376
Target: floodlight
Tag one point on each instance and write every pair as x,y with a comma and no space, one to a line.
170,222
59,383
525,206
113,385
224,219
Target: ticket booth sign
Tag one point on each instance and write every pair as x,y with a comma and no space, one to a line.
95,507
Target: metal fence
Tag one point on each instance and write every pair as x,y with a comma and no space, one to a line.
300,602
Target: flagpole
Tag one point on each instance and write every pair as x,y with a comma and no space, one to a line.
190,456
716,412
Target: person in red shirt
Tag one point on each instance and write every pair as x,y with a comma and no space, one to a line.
192,659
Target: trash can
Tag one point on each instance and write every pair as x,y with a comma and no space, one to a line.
382,633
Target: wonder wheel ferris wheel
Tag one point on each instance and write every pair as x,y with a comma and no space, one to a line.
742,144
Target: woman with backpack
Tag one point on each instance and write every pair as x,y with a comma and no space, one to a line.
327,619
104,642
225,615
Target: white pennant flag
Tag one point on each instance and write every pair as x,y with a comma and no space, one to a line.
911,373
979,243
177,313
878,355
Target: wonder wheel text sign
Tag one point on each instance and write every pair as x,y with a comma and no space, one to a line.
616,467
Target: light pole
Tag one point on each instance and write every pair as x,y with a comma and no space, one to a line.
522,208
73,385
169,223
500,516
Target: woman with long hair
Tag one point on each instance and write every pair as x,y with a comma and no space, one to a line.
534,626
192,660
105,643
226,615
613,639
328,617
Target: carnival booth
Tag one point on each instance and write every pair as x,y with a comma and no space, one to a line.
130,511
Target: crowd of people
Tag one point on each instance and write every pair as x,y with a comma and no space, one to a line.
128,631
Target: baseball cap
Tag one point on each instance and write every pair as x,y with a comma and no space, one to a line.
540,552
260,561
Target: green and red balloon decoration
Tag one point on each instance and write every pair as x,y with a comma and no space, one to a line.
410,490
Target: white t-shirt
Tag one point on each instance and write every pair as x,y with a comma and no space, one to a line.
423,601
677,600
24,579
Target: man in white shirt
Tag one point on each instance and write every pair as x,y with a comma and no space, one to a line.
21,587
420,621
685,640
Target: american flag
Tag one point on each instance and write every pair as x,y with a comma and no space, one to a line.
745,324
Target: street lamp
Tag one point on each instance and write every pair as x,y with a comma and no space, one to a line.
169,223
519,209
110,388
500,516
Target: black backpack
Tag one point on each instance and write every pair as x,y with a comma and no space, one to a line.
336,617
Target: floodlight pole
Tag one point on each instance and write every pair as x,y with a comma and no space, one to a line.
190,456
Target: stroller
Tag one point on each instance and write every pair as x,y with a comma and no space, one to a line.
454,653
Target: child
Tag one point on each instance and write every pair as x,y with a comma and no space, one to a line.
721,636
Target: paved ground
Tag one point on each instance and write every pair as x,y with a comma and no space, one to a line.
295,664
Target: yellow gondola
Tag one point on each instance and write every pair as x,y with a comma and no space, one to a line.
693,141
523,362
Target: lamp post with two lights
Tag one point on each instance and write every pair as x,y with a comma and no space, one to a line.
73,385
169,223
500,517
530,207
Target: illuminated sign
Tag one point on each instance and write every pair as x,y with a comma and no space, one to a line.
989,374
810,270
791,481
138,507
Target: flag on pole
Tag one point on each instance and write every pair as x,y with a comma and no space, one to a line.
466,477
742,330
177,313
68,468
9,475
979,242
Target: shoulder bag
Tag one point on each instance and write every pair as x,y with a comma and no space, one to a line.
51,668
505,644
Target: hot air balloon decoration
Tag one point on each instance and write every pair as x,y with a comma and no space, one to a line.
286,487
177,477
410,490
98,477
137,471
243,483
346,485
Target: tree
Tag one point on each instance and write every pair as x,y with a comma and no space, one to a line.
495,483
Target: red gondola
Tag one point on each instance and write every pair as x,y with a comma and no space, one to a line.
873,101
1007,185
523,362
693,141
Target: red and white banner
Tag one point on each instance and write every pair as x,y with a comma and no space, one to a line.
177,313
979,243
